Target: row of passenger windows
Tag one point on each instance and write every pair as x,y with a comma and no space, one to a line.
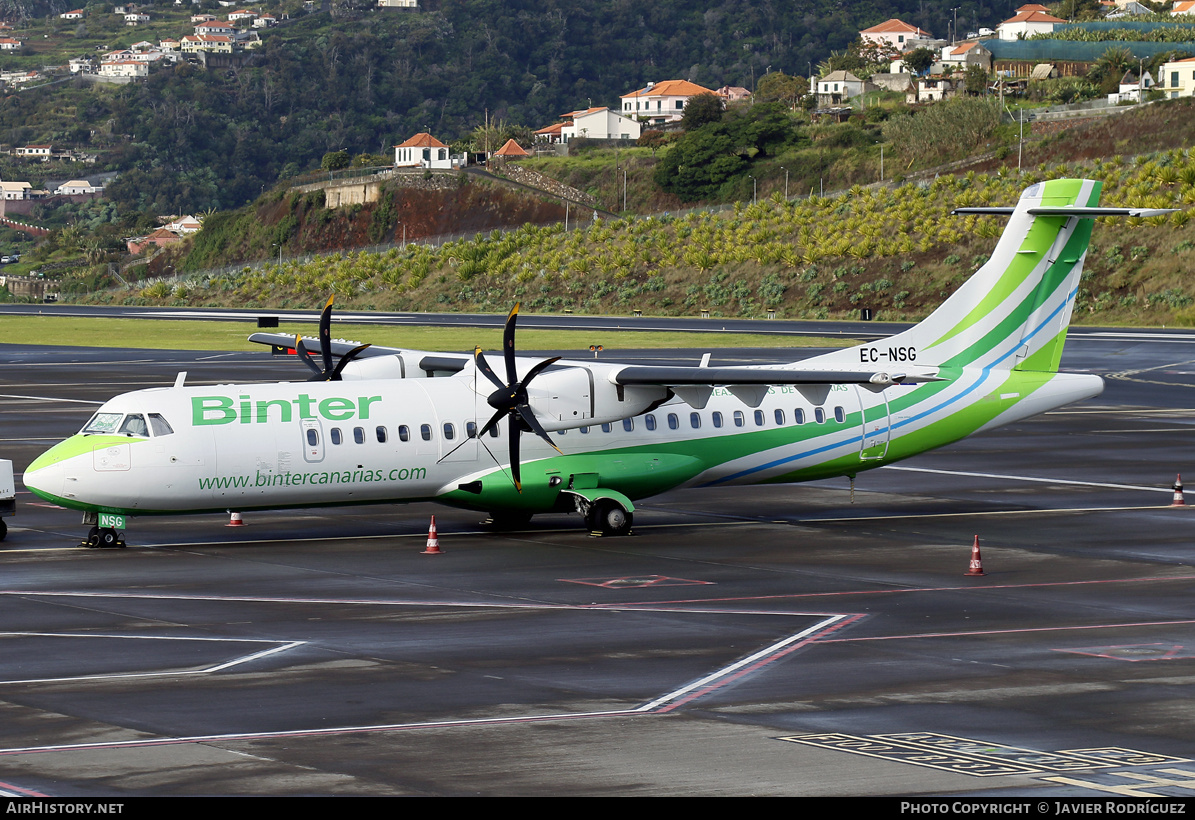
650,422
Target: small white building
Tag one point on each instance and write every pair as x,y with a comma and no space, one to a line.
1028,21
895,33
136,19
599,124
125,68
839,86
76,14
75,187
15,190
661,102
1131,88
425,151
398,4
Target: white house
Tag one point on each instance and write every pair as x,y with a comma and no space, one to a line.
967,54
125,68
41,152
1183,7
600,124
1028,21
661,102
9,44
215,28
1177,78
1131,88
838,86
136,19
895,33
15,190
75,187
77,14
425,151
241,14
398,4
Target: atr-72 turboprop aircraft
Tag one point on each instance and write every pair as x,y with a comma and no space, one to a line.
378,428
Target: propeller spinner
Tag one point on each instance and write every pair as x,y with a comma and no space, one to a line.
328,373
510,399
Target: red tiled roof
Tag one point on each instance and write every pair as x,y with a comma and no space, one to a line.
511,149
422,141
895,26
670,88
1032,17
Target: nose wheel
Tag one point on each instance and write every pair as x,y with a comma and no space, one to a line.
103,538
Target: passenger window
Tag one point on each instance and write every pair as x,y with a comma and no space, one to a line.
449,431
159,425
381,433
606,427
584,430
695,420
359,435
673,421
471,429
759,418
425,431
779,417
494,431
336,435
799,416
312,437
717,419
649,421
134,425
819,415
739,418
404,433
628,424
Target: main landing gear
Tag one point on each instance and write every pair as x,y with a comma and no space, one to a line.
103,538
607,517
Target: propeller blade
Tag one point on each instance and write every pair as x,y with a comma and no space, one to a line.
484,367
508,345
514,453
489,425
325,334
345,359
528,418
304,356
533,372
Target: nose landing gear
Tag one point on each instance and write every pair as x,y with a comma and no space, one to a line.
103,538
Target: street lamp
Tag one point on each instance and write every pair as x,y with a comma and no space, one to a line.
785,170
1021,136
279,247
754,188
881,161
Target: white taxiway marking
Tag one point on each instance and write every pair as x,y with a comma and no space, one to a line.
277,647
1033,479
48,398
716,679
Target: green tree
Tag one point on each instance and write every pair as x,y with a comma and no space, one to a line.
702,109
919,60
976,80
780,87
335,160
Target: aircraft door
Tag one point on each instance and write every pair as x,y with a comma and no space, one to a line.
876,426
313,440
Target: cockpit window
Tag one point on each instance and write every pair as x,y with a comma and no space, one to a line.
134,425
103,423
159,425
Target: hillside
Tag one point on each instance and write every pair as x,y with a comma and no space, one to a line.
362,79
893,249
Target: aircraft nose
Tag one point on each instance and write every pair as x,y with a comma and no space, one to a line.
47,474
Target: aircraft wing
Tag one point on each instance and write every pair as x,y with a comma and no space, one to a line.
750,385
440,362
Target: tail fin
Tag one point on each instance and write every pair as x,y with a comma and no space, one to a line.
1014,311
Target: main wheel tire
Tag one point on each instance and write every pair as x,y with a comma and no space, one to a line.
609,518
93,538
108,538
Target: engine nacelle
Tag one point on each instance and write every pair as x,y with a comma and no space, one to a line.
569,397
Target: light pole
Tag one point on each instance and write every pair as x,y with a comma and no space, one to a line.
403,225
624,189
754,188
279,247
785,170
881,162
955,36
1021,136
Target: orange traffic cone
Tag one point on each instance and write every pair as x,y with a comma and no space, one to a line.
1178,492
433,543
976,561
235,521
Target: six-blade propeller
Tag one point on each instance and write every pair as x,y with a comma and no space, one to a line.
510,399
327,373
